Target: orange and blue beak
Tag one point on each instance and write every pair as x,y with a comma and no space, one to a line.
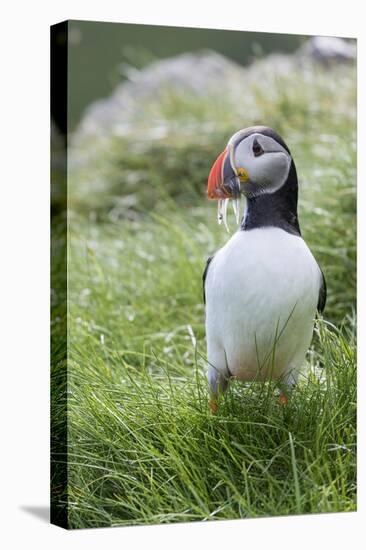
215,189
223,182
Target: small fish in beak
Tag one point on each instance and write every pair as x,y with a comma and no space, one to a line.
223,185
221,213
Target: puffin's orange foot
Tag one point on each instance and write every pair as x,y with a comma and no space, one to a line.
283,399
213,406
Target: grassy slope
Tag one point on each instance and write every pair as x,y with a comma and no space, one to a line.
142,446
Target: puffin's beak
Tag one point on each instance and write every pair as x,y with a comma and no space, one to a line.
222,181
216,179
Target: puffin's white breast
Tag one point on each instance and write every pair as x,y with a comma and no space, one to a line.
261,291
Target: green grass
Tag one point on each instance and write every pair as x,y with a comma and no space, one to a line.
142,447
145,449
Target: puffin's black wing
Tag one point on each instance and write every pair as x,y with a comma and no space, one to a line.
204,277
322,294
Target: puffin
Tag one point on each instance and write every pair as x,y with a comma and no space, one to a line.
262,290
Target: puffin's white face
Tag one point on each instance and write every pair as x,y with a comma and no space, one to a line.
251,164
261,164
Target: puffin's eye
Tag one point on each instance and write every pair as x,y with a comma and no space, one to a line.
257,149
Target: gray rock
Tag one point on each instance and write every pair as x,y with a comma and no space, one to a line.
328,49
197,74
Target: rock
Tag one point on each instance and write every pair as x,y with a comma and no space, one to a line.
198,73
328,49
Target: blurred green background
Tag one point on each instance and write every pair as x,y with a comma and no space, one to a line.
99,52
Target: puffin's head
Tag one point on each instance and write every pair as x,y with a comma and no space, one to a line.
256,161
